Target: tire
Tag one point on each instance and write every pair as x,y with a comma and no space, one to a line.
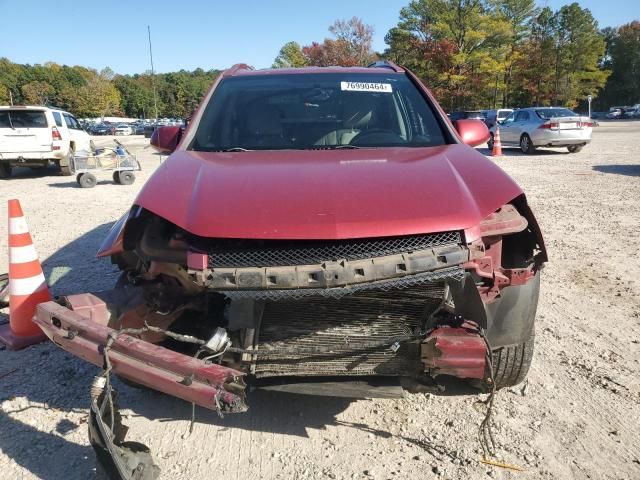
127,178
526,145
87,180
67,170
4,290
5,170
575,148
116,177
490,142
511,364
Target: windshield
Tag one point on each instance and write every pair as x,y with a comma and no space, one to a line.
315,111
555,112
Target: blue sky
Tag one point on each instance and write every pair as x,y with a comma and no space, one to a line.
199,33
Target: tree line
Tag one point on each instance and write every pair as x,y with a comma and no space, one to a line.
494,53
471,53
90,93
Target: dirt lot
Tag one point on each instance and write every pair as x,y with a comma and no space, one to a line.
578,416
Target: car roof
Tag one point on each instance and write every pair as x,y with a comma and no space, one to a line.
37,108
24,107
242,70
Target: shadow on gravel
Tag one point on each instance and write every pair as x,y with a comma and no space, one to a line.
75,269
629,170
514,152
45,455
276,412
24,172
75,184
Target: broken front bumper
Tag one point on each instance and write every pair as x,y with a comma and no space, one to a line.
83,331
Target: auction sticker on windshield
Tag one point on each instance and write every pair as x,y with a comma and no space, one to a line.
365,87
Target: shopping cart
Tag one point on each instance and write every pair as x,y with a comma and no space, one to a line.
117,160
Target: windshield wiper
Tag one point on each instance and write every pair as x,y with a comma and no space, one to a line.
333,147
235,149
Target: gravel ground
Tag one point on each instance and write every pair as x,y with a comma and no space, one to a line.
577,417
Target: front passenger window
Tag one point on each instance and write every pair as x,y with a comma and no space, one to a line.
509,119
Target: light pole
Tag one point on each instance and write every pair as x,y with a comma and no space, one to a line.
589,98
153,81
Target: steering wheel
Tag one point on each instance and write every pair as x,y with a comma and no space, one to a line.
383,136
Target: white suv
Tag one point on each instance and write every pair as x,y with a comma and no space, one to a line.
35,136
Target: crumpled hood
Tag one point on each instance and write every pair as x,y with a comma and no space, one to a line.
327,194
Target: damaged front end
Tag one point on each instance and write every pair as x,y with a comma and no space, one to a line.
281,310
198,317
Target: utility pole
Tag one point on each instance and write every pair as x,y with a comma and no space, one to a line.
11,97
153,81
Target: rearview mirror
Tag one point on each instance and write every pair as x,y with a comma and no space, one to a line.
166,139
472,132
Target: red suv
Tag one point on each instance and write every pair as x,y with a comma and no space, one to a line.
311,226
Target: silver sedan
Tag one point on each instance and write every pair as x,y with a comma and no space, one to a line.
530,128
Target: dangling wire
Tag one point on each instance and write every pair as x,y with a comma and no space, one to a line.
485,433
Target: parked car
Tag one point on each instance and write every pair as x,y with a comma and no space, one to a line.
535,127
493,116
615,113
137,129
149,128
337,225
123,129
467,115
33,136
103,129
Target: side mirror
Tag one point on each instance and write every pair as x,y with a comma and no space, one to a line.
472,132
166,139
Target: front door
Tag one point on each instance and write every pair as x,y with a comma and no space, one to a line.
506,129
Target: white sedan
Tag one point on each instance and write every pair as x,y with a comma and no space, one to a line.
531,128
123,129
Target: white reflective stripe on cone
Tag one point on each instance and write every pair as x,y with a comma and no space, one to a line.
27,286
18,225
22,254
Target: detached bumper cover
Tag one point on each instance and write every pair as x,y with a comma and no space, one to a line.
84,334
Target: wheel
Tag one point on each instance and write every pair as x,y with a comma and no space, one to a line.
511,364
116,177
87,180
5,170
575,148
490,141
127,178
67,170
526,145
512,326
4,290
78,177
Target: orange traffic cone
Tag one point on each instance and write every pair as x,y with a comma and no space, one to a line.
497,146
27,286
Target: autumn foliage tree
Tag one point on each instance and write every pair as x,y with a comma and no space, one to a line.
482,53
623,59
351,46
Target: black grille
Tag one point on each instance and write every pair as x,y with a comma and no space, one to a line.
420,279
365,317
229,253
